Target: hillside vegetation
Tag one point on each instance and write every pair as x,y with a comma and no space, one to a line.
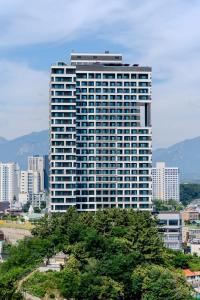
189,192
113,254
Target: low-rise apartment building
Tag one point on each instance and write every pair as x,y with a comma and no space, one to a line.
170,226
190,214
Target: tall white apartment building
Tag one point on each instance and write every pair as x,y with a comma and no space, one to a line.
165,183
37,164
9,182
34,181
100,134
30,182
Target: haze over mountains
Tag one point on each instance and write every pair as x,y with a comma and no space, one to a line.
185,155
19,149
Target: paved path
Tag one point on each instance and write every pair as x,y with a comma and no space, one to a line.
15,234
27,296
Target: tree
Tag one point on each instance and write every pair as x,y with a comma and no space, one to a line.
8,290
170,205
154,282
107,257
99,287
37,210
26,207
189,192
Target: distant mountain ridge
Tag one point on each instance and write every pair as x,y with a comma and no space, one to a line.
18,149
2,140
185,155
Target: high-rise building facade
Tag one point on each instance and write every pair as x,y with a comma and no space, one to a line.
38,164
165,183
34,181
9,182
100,134
30,182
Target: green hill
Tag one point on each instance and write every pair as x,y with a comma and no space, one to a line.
113,254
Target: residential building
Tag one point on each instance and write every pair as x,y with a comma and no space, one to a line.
23,198
54,263
36,199
191,232
195,247
170,226
193,278
34,181
100,134
30,182
37,163
190,214
9,182
165,183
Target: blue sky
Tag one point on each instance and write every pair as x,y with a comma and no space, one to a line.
161,33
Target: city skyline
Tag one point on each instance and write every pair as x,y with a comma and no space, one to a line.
32,40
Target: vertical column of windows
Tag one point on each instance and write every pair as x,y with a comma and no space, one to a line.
63,138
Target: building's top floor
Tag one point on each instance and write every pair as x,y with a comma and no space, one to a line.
90,58
101,62
7,164
189,273
169,214
170,218
162,165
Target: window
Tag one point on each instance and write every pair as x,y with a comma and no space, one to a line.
173,222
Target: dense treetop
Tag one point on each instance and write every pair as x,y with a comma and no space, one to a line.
189,192
112,254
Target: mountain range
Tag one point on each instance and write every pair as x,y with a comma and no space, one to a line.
185,155
20,148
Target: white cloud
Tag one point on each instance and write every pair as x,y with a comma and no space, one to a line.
30,22
23,99
164,34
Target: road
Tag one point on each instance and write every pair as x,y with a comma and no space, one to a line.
14,234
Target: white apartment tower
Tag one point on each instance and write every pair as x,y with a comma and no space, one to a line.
36,163
9,182
30,182
165,183
100,134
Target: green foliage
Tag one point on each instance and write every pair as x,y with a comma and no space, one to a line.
154,282
43,205
26,207
189,192
8,290
40,284
37,210
98,287
9,217
104,250
180,260
26,255
171,205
